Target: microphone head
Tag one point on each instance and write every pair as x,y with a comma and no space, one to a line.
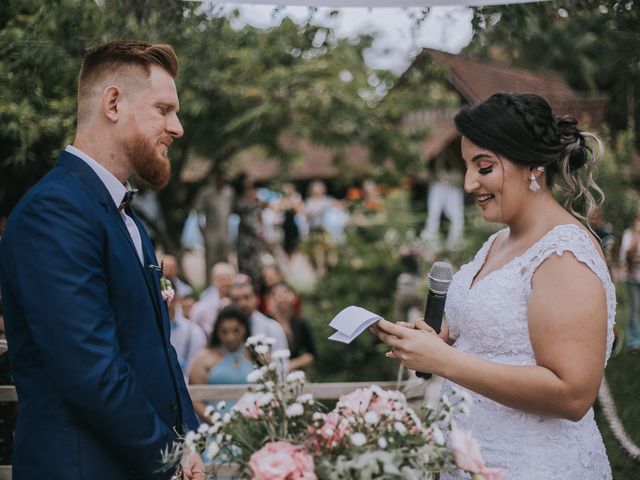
440,277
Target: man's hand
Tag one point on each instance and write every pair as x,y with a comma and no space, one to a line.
192,467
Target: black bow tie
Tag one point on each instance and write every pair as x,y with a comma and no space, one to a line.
128,196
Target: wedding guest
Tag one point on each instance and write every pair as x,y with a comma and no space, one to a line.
99,388
299,337
205,311
214,204
251,241
225,360
532,314
630,264
244,297
186,303
186,337
292,207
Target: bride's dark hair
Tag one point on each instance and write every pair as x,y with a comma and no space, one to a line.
523,128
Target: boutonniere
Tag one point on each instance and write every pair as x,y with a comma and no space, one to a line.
166,287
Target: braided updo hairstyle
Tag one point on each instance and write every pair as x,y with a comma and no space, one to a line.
522,127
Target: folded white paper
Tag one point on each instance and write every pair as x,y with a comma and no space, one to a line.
351,322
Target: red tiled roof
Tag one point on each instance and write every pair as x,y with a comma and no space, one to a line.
476,80
315,161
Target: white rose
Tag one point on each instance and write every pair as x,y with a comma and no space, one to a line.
400,428
265,399
221,404
203,428
371,418
262,349
382,442
208,411
358,439
226,418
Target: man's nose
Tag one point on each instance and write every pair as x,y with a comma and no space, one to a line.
174,127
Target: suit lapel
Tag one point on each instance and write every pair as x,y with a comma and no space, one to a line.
97,189
151,275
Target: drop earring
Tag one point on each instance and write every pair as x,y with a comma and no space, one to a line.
534,186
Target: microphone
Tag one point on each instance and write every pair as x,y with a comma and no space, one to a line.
440,277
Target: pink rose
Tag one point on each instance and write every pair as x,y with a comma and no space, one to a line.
492,473
281,461
167,294
248,406
357,401
466,452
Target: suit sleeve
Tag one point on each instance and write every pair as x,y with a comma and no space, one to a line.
58,257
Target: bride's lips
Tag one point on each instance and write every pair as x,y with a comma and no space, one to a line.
484,199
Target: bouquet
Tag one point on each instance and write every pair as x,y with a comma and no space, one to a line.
276,431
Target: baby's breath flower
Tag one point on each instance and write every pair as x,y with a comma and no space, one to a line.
212,450
305,398
296,376
294,410
254,376
280,354
262,349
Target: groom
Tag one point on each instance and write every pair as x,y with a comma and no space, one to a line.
99,385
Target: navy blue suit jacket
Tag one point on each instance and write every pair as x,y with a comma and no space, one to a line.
99,384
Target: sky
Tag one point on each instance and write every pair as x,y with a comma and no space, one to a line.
446,28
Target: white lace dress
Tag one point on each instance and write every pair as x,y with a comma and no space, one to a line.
490,321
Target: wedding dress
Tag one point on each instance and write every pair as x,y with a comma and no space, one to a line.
490,320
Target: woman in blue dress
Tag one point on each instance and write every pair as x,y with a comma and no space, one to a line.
225,360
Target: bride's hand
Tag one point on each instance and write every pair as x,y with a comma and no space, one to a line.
420,324
417,346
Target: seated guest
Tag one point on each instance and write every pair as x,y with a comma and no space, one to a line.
272,275
225,360
186,337
205,311
282,299
186,303
244,297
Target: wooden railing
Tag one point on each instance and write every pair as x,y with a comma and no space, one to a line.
320,391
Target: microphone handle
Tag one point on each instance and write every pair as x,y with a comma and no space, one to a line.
433,313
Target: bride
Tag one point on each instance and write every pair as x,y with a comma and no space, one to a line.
532,314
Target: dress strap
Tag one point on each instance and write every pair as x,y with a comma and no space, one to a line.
571,238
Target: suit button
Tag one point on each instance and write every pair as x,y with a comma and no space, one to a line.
173,405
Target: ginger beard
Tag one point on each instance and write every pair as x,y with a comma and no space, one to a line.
151,166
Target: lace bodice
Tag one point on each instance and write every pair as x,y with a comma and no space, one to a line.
489,319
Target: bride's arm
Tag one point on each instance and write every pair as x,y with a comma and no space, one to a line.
567,318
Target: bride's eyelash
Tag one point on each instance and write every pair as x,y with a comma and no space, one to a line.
485,170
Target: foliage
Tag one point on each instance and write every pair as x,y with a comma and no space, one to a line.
593,44
239,87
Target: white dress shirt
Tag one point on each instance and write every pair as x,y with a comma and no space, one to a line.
116,190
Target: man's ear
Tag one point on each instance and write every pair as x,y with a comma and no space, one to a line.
111,98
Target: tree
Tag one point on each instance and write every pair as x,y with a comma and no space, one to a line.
239,87
594,45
